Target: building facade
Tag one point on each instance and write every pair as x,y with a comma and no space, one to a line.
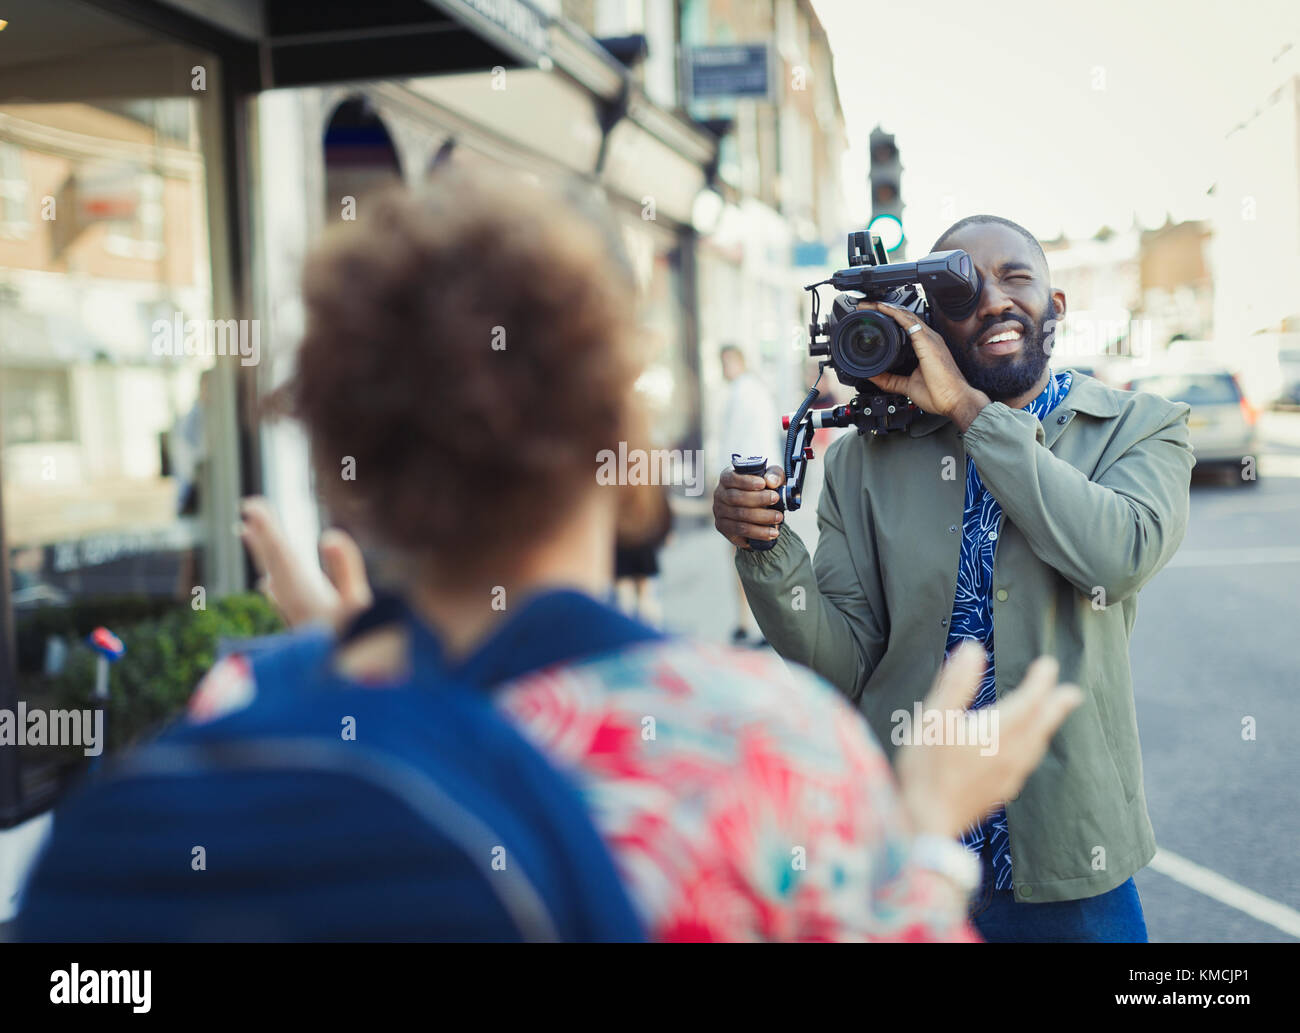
1130,292
164,167
1256,252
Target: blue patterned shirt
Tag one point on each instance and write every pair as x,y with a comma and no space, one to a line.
972,613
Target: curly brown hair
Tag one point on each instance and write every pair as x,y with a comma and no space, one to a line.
469,348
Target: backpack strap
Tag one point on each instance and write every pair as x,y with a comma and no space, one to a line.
302,659
577,883
299,659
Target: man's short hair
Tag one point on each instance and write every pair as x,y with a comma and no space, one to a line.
972,220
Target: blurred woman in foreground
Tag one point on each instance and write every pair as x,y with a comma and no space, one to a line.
469,354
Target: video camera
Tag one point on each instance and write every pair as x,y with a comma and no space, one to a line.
861,344
864,344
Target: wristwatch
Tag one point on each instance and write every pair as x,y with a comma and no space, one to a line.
948,858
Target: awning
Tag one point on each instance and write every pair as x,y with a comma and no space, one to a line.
330,41
122,48
335,40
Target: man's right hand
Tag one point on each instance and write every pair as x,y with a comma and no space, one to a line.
740,504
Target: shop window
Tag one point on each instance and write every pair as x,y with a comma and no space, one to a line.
788,36
141,234
106,417
669,382
37,406
14,217
618,17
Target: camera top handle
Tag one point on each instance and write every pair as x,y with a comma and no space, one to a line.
864,250
951,281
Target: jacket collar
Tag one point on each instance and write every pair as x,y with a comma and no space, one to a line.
1087,395
1090,396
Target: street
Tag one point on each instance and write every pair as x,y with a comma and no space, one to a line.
1213,645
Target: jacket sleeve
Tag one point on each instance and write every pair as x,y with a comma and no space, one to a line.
1112,533
817,614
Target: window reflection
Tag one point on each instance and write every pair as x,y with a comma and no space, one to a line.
103,239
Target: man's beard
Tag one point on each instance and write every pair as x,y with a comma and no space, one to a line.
1003,379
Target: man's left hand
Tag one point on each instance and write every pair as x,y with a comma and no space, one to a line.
936,385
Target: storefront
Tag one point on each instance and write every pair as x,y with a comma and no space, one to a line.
119,435
163,168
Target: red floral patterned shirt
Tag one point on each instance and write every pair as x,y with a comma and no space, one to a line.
741,799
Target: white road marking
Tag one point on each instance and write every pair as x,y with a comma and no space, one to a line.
1279,465
1225,891
1280,427
1224,506
1236,557
19,847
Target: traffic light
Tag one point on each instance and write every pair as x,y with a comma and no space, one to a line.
886,194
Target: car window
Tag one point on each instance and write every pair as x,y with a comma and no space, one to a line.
1194,389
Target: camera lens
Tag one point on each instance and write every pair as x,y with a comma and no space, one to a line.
866,344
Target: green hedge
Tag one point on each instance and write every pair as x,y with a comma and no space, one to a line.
79,617
165,658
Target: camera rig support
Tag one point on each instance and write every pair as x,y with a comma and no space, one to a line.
876,413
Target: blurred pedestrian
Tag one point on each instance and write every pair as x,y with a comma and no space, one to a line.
636,564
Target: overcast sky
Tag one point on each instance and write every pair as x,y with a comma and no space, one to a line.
1059,117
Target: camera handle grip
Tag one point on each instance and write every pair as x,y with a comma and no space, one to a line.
757,465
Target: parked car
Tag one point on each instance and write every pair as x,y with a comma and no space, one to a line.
1222,422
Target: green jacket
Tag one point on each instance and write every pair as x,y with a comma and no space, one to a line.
1094,503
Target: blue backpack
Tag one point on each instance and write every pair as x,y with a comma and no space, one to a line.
438,821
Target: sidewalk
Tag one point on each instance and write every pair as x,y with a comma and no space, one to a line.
695,583
18,849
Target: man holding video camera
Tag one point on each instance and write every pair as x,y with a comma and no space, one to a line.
1022,501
